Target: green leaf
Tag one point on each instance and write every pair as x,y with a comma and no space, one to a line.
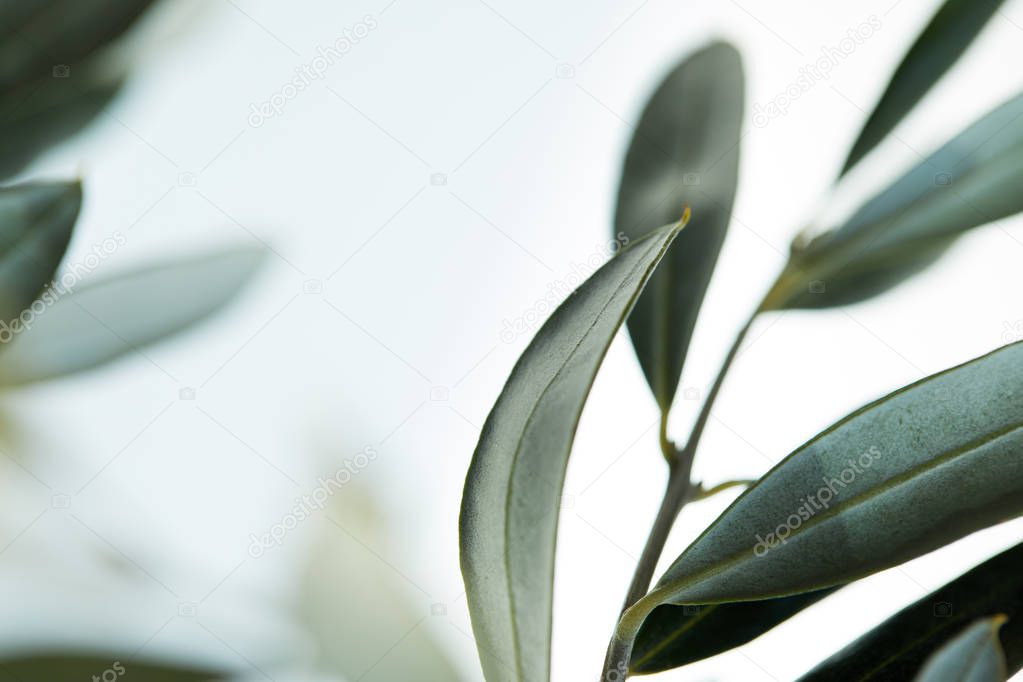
76,667
53,78
972,180
41,114
897,648
939,46
15,16
509,518
973,656
103,319
685,151
674,636
36,220
59,33
905,475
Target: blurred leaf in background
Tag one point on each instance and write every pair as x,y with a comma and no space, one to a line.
71,667
358,610
36,220
950,32
113,316
55,75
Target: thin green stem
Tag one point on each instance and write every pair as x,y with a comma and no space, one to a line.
676,495
678,492
701,419
680,488
667,447
703,493
619,650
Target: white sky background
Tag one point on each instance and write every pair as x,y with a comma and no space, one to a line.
416,281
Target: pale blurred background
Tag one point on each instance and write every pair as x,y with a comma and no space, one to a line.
438,178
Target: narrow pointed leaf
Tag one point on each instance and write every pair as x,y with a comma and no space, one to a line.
36,221
905,475
75,667
102,319
54,76
673,636
943,41
685,150
41,114
972,180
896,649
973,656
58,34
509,517
14,15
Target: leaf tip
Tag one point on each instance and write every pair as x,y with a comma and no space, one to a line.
686,213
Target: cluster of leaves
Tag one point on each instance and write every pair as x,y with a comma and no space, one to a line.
55,78
940,455
57,72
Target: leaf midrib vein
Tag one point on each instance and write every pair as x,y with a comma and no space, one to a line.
665,242
889,485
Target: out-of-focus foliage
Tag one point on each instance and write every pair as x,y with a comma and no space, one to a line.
54,78
356,608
